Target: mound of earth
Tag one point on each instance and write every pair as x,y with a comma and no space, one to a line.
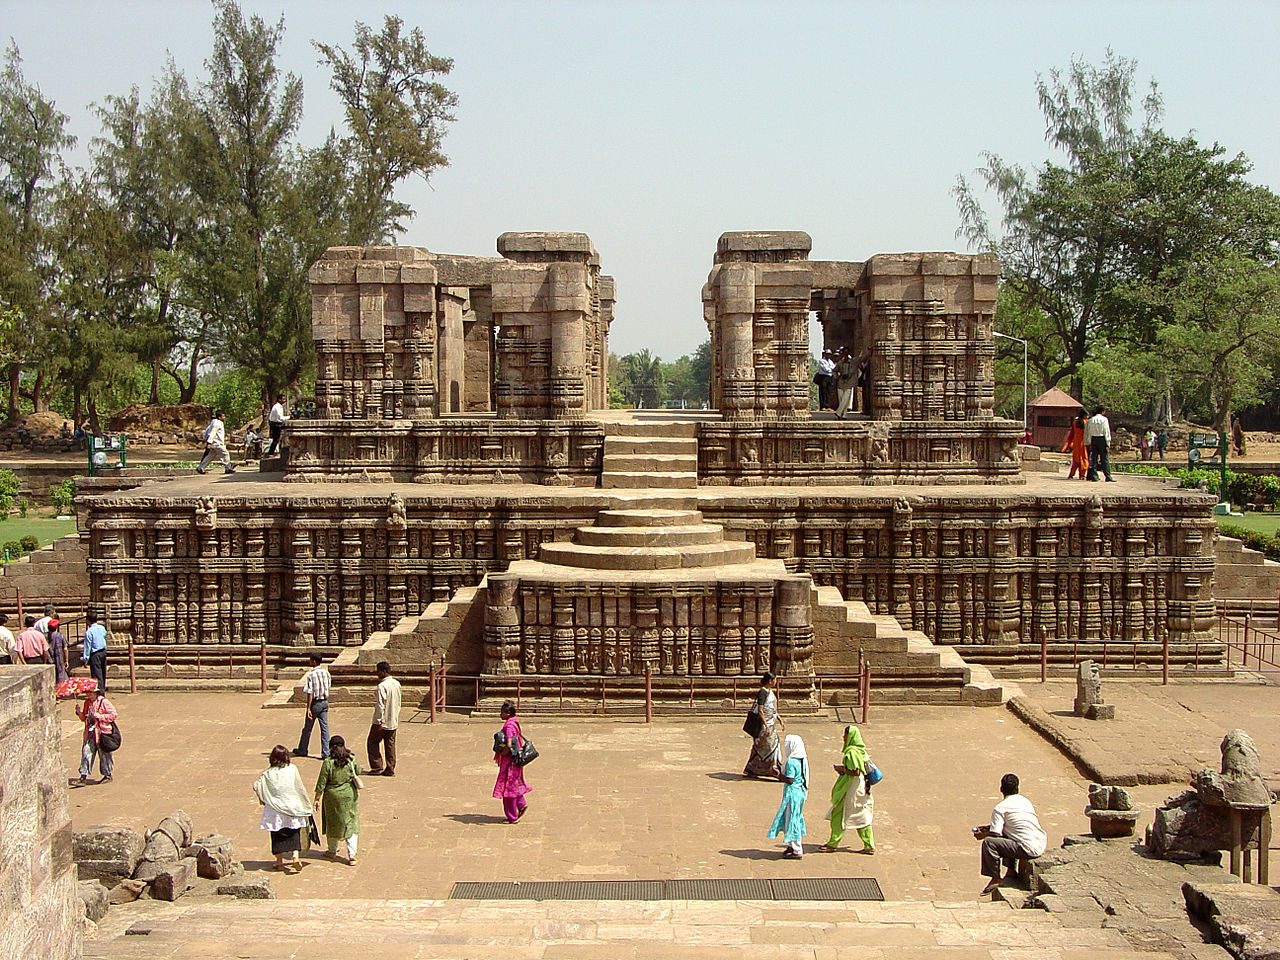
43,426
142,418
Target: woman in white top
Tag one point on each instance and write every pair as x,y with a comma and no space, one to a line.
286,808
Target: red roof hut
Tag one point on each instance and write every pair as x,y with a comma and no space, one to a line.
1050,416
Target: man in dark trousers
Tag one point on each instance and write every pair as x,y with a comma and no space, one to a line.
1013,834
386,721
1097,437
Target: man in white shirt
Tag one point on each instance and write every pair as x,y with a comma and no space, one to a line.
386,720
6,639
1097,437
275,423
316,686
215,445
825,378
1013,834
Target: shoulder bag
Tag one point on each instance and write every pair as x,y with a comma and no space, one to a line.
754,724
110,742
873,774
523,752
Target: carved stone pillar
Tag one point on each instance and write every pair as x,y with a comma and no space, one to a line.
792,627
502,626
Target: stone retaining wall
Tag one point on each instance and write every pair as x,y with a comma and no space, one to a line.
40,910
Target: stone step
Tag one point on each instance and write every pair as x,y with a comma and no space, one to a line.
647,558
648,517
650,446
641,462
670,429
649,481
704,533
383,929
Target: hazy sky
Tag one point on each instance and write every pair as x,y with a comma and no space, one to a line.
656,126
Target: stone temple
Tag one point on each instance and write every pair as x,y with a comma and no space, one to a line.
464,496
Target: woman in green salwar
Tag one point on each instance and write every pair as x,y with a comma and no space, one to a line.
338,789
851,801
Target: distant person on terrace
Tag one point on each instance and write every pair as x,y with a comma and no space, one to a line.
1097,434
1014,833
766,748
1075,445
215,445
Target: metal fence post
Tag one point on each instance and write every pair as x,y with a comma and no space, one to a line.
263,665
133,675
648,695
431,696
1044,656
866,689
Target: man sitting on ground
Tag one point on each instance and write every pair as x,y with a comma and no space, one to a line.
1013,834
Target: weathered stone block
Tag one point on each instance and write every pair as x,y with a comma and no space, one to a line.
126,891
248,890
215,856
106,853
174,880
94,897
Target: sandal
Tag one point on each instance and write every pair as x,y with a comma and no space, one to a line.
827,848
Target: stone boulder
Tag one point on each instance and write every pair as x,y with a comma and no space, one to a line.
95,899
1239,781
127,891
174,880
248,889
1111,812
215,856
1185,829
106,853
169,839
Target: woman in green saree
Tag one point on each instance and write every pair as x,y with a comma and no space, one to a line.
338,789
851,802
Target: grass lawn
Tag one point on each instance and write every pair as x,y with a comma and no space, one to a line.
1264,523
39,524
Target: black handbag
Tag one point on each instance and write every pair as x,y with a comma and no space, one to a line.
754,724
524,754
110,742
312,833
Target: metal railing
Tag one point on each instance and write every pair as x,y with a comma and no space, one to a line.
207,666
440,676
1256,649
71,610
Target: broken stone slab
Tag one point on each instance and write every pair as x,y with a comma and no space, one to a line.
173,881
126,891
1244,918
248,889
169,839
94,897
214,857
106,853
1111,812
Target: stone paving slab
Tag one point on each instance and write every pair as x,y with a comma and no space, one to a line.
612,798
1161,734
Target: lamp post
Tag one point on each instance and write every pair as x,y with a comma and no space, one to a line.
1024,374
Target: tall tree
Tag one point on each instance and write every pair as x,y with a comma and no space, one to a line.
32,138
1063,246
396,111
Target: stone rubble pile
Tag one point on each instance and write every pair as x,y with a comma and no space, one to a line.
118,865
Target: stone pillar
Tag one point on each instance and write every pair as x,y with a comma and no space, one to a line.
451,367
737,360
792,627
502,626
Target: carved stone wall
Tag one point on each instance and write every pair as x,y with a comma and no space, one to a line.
992,568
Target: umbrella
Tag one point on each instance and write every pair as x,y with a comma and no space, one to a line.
75,687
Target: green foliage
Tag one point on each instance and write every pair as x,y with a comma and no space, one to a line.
29,543
1267,545
643,380
13,550
62,494
9,484
23,504
235,392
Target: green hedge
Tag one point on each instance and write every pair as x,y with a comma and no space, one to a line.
1269,546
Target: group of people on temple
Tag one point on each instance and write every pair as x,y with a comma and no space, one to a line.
1013,833
841,378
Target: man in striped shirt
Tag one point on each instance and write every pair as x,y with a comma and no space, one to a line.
316,686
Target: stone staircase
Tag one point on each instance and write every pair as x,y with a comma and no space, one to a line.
661,455
1245,583
648,539
378,929
59,569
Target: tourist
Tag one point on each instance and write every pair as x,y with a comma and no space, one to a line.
275,423
1097,434
1151,443
825,379
94,650
286,811
59,648
1237,436
846,380
338,787
851,802
766,748
99,718
510,787
6,639
386,719
1013,834
789,820
1076,446
215,445
315,685
1162,442
30,646
864,379
1144,448
43,623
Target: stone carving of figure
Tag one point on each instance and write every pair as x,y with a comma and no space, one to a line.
206,513
1088,687
397,519
878,443
1240,781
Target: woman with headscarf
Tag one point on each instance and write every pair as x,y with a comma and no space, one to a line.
338,788
766,748
510,787
285,810
851,802
789,820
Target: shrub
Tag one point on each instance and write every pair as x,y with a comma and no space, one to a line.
23,504
1268,546
13,550
29,543
61,495
8,487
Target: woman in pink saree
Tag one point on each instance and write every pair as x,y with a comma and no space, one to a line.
510,787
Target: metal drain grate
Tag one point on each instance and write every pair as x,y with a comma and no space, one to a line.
827,888
814,888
